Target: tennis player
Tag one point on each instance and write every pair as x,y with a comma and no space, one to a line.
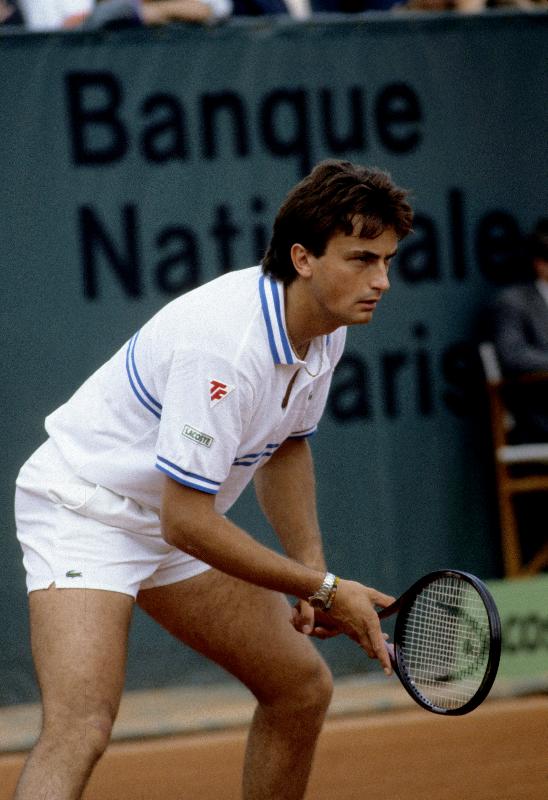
125,501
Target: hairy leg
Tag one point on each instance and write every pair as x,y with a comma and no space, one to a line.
79,643
247,631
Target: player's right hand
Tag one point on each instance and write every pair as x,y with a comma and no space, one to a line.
354,610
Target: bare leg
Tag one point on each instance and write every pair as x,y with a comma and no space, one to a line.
247,631
279,753
79,641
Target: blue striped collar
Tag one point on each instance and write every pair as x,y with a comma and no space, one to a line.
271,292
272,296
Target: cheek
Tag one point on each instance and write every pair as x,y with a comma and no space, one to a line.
338,292
338,287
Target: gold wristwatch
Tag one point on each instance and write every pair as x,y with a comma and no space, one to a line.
324,596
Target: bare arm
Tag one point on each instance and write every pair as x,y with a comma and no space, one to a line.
159,12
190,522
286,491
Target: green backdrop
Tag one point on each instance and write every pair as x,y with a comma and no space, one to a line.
137,164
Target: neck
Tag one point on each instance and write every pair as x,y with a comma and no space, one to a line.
301,323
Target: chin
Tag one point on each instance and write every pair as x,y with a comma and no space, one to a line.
362,318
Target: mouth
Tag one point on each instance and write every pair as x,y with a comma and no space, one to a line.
369,305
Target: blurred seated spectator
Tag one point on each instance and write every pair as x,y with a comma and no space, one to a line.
352,6
519,330
160,12
10,13
46,15
49,15
259,8
469,6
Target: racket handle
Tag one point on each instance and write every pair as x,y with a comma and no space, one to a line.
389,610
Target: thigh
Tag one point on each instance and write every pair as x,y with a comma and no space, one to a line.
245,629
79,645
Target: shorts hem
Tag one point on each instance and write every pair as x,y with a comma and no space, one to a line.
155,582
39,584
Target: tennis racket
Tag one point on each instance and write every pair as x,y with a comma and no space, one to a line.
447,641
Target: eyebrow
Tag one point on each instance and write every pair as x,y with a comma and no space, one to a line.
361,252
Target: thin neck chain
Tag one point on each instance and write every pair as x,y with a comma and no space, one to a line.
312,374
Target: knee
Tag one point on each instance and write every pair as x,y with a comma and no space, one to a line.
307,690
86,733
316,687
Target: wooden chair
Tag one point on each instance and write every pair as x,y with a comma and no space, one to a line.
509,456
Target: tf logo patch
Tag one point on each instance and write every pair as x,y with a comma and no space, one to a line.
217,391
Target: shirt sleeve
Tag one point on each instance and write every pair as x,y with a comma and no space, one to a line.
206,407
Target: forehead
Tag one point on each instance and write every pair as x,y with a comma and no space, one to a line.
385,242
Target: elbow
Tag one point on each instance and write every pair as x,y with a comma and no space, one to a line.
185,514
169,534
173,533
176,536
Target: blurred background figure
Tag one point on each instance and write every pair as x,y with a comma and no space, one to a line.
48,15
471,6
160,12
299,9
519,324
10,13
352,6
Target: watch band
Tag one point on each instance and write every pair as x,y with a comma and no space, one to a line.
324,596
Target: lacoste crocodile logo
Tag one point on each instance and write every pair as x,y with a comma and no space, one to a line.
73,574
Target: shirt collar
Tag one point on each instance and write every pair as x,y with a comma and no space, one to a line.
271,293
272,297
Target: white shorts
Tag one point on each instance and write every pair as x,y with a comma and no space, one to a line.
81,536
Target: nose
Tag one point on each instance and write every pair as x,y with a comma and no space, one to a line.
380,279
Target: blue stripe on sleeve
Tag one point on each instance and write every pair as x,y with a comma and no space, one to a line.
185,472
303,435
251,458
181,480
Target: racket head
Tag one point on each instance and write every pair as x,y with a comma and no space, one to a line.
447,642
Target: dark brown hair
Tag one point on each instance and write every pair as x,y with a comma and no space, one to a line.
327,202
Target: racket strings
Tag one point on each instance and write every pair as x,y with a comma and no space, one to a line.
445,642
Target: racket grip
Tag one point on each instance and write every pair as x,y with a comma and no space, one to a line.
389,610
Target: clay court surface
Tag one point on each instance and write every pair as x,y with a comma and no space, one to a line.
499,752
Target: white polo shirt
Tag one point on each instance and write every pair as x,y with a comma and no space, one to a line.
199,394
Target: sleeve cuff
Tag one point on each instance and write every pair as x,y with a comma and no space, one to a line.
186,478
303,434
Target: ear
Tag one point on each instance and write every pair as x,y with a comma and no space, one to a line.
302,260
